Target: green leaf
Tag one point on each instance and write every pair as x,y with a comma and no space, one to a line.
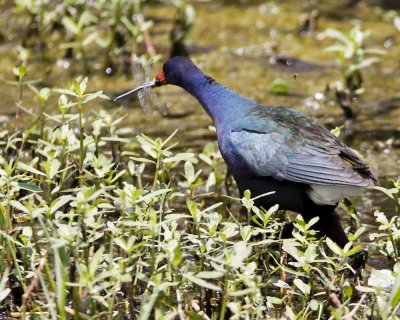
304,288
115,139
279,87
61,280
187,156
210,274
69,45
55,165
395,294
213,206
21,71
381,278
58,203
85,19
396,22
4,292
83,85
336,48
241,252
336,34
365,289
347,291
353,250
200,282
147,146
169,138
363,64
243,292
66,92
290,248
334,247
274,300
29,187
189,172
375,51
142,160
89,39
357,234
70,25
211,183
26,167
388,192
91,96
336,131
289,313
148,304
95,260
194,315
152,195
312,222
119,174
19,206
314,305
194,211
281,284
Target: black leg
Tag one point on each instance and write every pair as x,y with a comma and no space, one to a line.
328,224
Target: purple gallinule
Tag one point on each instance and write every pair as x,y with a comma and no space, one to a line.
276,149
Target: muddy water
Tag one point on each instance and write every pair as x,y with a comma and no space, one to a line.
237,42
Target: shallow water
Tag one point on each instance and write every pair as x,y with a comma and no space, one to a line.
235,42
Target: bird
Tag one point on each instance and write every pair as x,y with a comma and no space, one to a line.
276,149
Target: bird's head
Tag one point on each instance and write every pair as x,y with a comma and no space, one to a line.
175,71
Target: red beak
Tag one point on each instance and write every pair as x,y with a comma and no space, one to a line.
160,79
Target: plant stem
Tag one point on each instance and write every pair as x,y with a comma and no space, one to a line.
81,151
396,255
19,102
224,297
157,170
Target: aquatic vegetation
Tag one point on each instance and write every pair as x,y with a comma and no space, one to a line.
396,22
113,29
279,87
100,221
353,57
91,227
183,24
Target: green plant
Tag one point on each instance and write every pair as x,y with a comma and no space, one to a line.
389,229
352,57
94,224
82,98
112,28
396,22
183,23
84,33
20,71
279,87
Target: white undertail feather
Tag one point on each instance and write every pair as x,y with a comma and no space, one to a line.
331,194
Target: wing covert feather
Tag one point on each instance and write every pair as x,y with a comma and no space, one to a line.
307,154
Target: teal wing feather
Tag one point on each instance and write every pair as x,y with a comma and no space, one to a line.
288,145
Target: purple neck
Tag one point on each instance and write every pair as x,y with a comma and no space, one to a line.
222,104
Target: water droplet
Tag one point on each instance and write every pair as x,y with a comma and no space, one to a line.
310,102
388,43
273,33
63,63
